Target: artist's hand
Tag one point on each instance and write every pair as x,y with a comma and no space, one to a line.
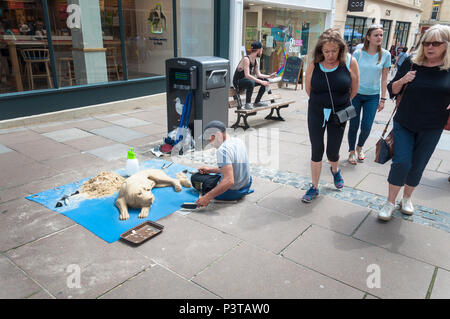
265,83
274,74
204,170
203,201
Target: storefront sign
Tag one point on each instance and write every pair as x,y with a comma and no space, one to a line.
74,18
355,5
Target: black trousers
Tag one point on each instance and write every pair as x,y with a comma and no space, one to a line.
249,85
335,133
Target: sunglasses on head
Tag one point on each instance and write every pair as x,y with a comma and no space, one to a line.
376,26
433,43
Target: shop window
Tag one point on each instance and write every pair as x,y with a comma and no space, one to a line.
386,32
195,24
149,37
24,52
355,31
86,41
283,32
401,34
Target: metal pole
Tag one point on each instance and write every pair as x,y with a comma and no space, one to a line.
50,44
122,42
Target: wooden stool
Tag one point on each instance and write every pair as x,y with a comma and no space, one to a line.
68,63
111,61
33,57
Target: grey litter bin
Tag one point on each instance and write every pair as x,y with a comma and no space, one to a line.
207,78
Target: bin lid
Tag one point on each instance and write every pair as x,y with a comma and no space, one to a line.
208,59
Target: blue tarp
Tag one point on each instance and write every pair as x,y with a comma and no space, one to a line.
101,216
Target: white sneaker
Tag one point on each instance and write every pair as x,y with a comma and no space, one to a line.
386,211
407,206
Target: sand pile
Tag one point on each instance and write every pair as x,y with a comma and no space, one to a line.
104,184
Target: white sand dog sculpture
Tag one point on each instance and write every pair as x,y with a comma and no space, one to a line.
136,190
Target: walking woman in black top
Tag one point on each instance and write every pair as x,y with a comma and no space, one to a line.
421,116
331,64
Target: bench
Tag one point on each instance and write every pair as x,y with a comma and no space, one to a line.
272,97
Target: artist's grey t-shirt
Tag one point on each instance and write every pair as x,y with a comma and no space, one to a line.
234,152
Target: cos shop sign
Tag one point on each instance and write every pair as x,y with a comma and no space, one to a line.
355,5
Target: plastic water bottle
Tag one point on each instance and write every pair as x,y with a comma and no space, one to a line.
132,163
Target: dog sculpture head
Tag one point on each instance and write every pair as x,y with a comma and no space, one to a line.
139,195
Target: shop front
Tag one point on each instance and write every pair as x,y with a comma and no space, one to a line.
64,54
399,19
285,28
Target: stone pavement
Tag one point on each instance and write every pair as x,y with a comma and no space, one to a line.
268,245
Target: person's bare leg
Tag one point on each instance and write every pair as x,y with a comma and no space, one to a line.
316,169
393,192
408,190
334,166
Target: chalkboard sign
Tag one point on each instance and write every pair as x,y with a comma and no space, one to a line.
292,70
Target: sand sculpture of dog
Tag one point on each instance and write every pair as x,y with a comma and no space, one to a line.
136,190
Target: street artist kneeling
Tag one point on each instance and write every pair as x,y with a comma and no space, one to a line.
229,181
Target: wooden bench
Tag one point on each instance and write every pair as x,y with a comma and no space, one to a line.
272,98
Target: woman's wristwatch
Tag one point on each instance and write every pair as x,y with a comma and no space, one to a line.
383,99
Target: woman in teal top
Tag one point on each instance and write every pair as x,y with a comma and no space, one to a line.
374,63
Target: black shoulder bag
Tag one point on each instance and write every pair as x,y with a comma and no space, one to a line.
343,115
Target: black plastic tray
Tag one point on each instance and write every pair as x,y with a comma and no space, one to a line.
143,232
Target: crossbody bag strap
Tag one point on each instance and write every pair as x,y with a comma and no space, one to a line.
396,106
329,91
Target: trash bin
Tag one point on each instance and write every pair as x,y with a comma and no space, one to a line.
202,82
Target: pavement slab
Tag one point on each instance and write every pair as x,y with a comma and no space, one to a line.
23,221
262,227
111,152
441,287
57,260
427,244
43,149
157,282
4,149
358,264
15,284
253,273
67,134
89,143
118,133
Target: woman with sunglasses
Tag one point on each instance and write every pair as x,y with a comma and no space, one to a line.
421,115
374,63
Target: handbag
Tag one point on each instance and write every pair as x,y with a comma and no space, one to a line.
343,115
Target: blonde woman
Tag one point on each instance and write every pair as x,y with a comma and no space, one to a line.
330,63
374,63
421,116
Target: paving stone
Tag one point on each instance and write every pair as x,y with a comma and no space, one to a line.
257,225
75,161
402,237
89,143
15,284
441,288
20,137
130,122
350,261
251,273
151,129
118,133
26,174
158,283
54,262
4,149
111,152
43,149
435,179
324,211
67,134
91,124
23,221
186,246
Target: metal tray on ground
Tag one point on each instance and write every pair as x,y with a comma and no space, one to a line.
141,233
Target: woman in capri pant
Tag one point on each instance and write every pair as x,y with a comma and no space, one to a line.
374,63
330,61
421,115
